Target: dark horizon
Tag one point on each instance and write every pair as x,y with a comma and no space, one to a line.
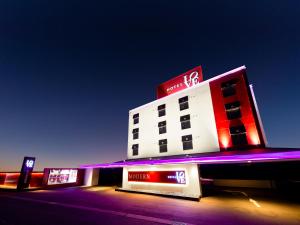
71,72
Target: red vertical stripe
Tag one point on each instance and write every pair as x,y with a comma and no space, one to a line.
247,110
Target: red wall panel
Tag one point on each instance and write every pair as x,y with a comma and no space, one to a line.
248,112
11,179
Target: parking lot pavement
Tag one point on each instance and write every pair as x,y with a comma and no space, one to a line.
103,205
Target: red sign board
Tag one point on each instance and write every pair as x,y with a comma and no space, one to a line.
181,82
168,177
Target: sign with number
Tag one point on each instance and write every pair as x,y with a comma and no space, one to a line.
29,163
25,174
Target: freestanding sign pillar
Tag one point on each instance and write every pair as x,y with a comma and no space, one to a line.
25,174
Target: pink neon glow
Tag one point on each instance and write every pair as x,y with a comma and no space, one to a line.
216,159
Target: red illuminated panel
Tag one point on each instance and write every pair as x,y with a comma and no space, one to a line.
167,177
232,92
11,179
36,179
2,178
181,82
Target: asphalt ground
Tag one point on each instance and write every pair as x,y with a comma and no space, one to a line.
103,205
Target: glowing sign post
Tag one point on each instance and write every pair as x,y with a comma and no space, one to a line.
25,174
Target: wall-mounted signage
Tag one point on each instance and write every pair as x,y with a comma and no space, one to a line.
168,177
25,174
62,176
181,82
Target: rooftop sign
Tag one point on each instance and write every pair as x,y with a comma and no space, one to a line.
181,82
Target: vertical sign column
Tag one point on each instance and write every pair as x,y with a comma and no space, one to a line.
25,174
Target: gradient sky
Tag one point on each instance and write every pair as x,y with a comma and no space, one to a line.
71,70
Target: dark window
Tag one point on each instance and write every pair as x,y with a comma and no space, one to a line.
136,118
135,149
162,126
238,135
135,133
187,142
228,88
233,110
161,110
183,103
163,145
185,122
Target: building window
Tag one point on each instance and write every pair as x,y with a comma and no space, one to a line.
238,135
228,88
161,110
187,142
185,122
136,118
135,133
163,145
233,110
135,149
183,103
162,127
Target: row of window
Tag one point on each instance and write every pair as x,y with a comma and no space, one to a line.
162,126
233,111
187,144
183,104
237,133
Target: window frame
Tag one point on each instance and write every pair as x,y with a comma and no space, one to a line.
163,145
187,142
183,103
135,133
162,127
161,110
136,118
135,149
186,119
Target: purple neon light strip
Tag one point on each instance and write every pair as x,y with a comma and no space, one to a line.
253,157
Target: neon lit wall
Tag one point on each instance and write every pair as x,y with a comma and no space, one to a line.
240,95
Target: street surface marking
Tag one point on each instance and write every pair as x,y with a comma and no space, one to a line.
247,196
129,215
254,202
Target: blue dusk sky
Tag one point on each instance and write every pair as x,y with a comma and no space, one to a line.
71,70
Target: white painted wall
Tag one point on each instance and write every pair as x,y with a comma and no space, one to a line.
203,127
91,176
191,189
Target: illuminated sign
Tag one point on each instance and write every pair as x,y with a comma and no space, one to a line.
62,176
181,82
168,177
25,174
29,163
